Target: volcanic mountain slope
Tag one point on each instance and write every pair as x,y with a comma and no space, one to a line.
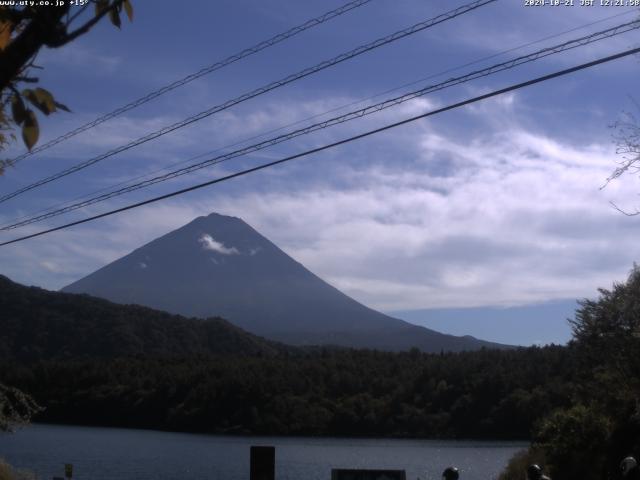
220,266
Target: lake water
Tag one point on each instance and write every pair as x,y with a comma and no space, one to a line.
122,454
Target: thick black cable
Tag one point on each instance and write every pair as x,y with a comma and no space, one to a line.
200,73
259,91
463,103
582,41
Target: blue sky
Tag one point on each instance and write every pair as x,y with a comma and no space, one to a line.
493,207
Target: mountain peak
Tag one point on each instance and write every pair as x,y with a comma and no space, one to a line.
214,220
214,216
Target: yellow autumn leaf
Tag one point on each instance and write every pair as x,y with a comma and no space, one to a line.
30,130
45,98
5,33
38,98
129,9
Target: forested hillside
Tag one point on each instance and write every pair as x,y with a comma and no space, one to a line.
90,361
39,324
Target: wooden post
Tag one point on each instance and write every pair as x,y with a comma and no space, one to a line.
263,463
360,474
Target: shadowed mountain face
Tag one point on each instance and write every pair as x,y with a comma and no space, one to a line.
220,266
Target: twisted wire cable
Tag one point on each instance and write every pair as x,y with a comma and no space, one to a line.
344,141
259,91
200,73
317,115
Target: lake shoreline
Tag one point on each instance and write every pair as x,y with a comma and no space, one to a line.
276,435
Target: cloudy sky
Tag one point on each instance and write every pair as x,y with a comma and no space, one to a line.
488,219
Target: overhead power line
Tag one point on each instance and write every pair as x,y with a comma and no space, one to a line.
545,52
89,195
62,204
369,133
259,91
292,32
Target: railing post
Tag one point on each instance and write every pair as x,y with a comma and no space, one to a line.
263,463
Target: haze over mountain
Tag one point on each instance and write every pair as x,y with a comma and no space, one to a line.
538,324
220,266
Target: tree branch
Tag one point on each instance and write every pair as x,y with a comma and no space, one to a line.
628,214
87,26
43,27
27,79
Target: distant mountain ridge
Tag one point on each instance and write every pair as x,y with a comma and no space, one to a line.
220,266
37,324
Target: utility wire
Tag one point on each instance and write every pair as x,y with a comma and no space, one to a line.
312,117
369,133
484,59
571,44
259,91
200,73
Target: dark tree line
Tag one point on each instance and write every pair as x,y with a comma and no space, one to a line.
485,394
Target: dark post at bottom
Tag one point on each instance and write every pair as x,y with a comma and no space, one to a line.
263,463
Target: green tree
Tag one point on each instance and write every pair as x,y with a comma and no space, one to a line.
588,439
607,341
607,334
574,441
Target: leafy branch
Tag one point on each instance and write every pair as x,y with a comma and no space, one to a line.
24,30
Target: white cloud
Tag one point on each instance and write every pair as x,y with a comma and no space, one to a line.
50,266
499,215
208,243
543,27
519,218
80,57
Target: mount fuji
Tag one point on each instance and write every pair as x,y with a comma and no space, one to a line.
219,266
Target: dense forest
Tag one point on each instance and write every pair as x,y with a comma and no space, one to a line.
488,394
579,404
